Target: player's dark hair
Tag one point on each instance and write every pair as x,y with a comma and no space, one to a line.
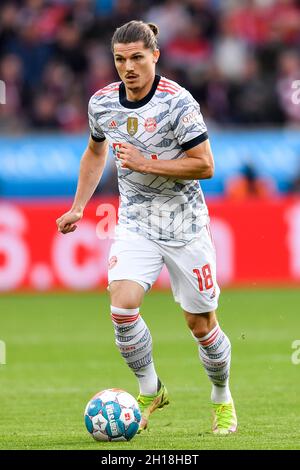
135,31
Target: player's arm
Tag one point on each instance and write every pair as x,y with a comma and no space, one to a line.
91,169
198,162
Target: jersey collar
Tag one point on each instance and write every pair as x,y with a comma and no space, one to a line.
137,104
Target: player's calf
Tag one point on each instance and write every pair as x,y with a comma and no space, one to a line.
134,342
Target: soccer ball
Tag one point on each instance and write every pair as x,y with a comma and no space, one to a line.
112,415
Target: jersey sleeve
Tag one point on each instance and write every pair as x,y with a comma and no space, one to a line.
187,121
96,132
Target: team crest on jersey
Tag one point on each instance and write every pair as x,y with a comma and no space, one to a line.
132,125
112,262
150,124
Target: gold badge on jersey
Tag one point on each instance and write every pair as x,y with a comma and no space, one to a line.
132,125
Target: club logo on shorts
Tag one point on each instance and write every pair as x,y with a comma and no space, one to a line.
132,125
112,262
150,124
213,295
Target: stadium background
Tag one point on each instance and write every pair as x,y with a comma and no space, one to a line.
241,61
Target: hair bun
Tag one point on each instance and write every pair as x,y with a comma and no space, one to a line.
154,28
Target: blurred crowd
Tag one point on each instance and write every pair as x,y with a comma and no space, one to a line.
239,58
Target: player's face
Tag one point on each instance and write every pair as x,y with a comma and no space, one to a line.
135,65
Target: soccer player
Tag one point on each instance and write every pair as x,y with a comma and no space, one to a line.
161,149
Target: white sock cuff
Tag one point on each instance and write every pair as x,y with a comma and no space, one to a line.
124,311
207,336
210,334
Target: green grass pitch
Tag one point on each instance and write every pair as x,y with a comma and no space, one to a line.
61,351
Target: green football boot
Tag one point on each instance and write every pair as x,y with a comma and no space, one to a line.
224,419
148,404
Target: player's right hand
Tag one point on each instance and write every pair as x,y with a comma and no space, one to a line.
66,223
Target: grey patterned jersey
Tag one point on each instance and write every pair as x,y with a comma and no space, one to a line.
163,125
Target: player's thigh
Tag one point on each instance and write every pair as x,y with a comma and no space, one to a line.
137,261
192,270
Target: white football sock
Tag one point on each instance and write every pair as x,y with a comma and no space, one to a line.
215,354
134,341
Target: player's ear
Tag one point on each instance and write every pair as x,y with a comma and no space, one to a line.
156,55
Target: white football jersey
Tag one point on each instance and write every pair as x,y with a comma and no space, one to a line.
162,126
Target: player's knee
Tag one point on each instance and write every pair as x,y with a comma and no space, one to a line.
201,325
200,331
125,294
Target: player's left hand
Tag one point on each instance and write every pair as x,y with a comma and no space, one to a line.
131,157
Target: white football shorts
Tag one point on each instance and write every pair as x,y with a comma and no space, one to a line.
192,268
